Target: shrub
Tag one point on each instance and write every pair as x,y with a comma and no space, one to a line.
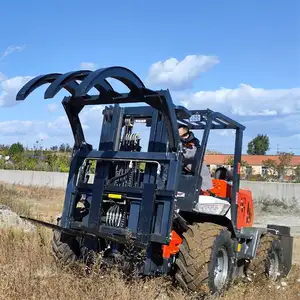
42,161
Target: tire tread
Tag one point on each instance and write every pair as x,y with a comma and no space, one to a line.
195,255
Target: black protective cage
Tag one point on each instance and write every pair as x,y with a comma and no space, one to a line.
152,205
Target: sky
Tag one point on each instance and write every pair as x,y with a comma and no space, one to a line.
241,58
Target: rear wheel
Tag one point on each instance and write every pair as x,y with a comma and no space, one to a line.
268,262
273,263
205,260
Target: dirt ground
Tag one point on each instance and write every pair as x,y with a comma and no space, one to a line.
28,270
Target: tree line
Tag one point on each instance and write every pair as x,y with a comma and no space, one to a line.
19,147
57,158
18,157
276,169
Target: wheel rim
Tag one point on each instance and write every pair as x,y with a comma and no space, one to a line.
221,268
273,265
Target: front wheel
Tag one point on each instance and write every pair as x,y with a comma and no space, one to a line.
205,260
65,248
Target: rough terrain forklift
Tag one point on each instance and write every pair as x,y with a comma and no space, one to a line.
141,207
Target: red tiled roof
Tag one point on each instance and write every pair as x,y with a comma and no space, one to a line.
252,160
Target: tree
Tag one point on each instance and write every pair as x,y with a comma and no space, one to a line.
272,167
259,145
4,149
208,151
54,148
244,164
65,148
15,149
230,162
279,169
68,148
284,164
297,173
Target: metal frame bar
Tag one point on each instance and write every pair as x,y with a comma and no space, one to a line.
236,173
223,122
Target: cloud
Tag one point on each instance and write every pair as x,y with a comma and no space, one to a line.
58,131
90,117
54,131
246,100
277,126
274,112
176,74
226,132
59,126
43,136
2,76
10,49
9,89
52,107
17,127
269,111
28,132
88,66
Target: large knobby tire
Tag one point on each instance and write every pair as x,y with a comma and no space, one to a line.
204,246
65,248
268,261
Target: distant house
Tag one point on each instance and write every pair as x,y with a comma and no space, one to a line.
255,162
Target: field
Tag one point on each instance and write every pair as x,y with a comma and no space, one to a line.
28,270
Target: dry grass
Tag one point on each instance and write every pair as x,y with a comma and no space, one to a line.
45,202
28,270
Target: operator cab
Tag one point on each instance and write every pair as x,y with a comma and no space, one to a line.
225,183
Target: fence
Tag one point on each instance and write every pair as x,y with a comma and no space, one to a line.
287,192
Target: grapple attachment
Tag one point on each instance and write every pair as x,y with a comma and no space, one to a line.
123,196
98,79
